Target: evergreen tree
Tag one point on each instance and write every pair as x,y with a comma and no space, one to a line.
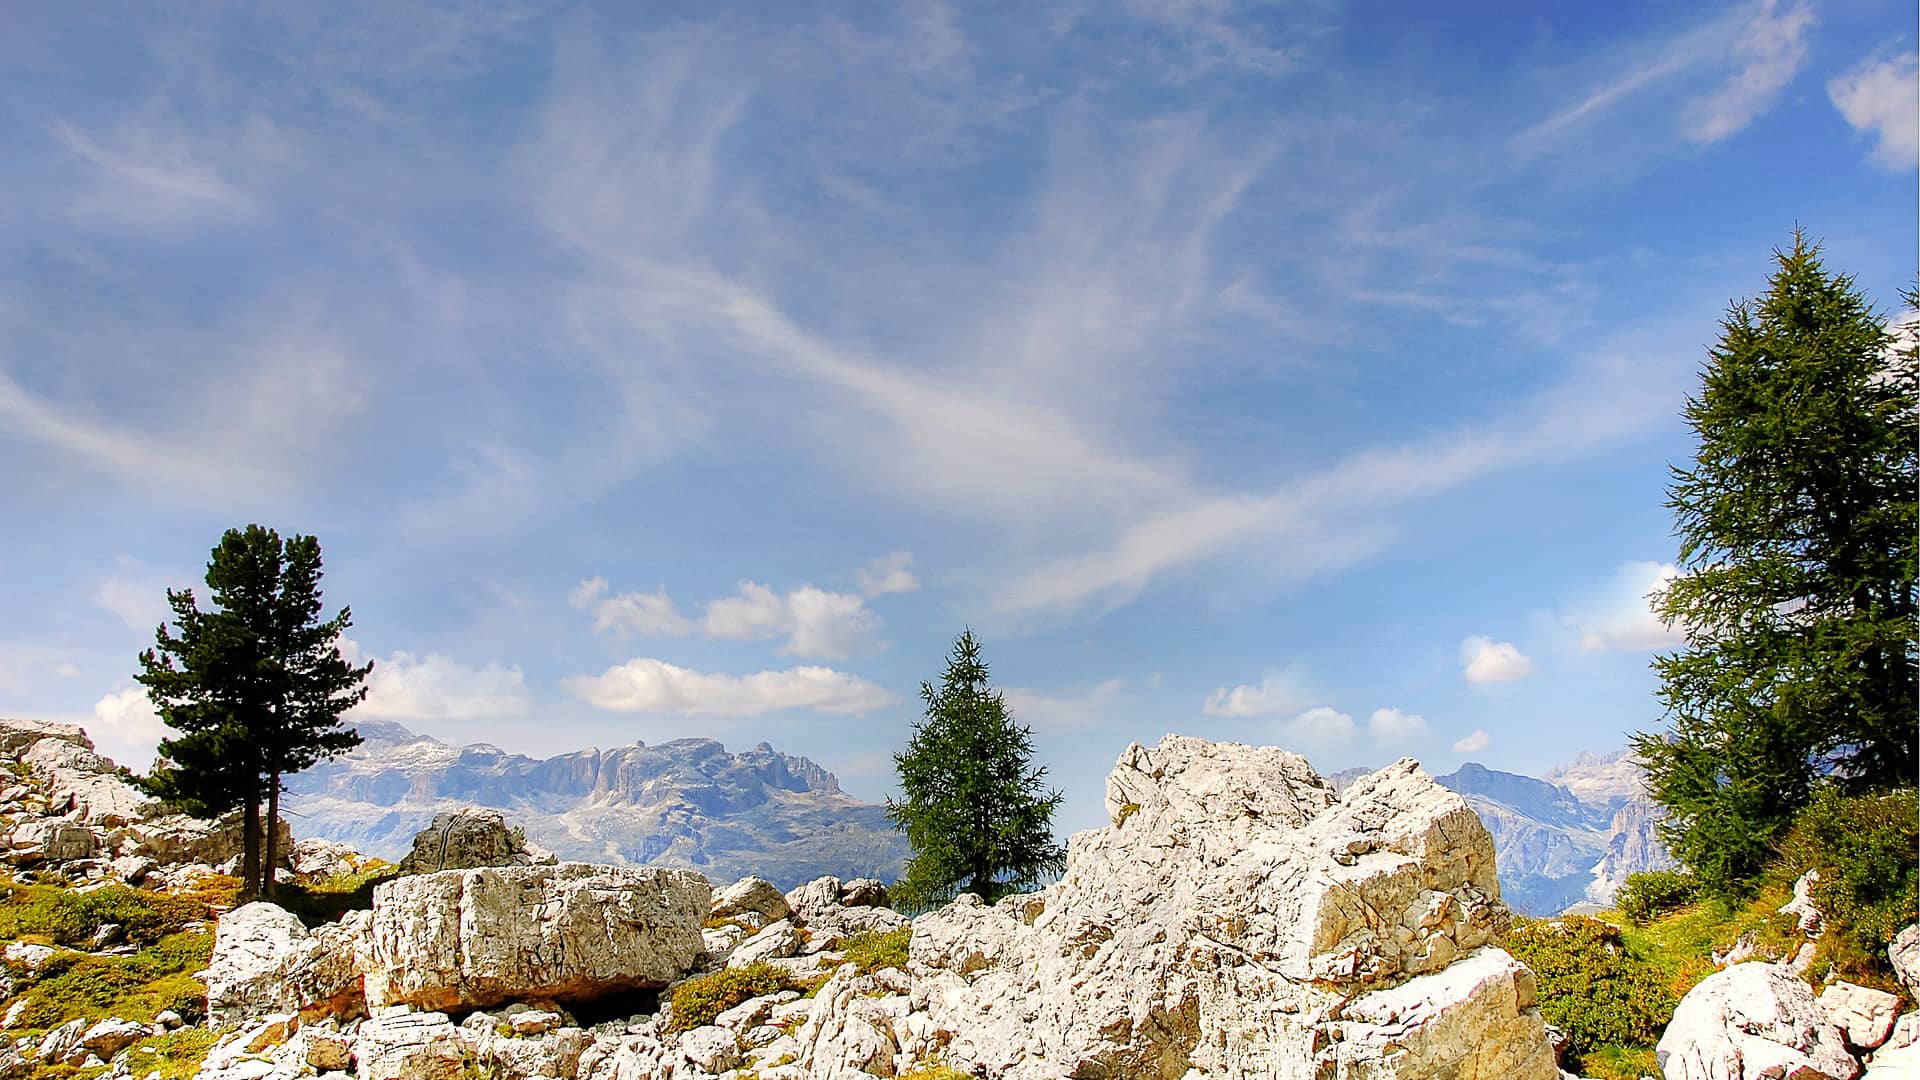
255,687
973,804
1797,588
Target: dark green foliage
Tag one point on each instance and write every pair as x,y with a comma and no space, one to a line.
1648,895
254,687
1864,847
697,1001
326,900
70,917
1797,535
1591,986
870,951
973,807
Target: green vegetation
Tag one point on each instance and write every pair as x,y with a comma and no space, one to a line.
1798,529
173,1056
1655,892
1592,986
870,951
1863,847
973,807
697,1001
254,687
157,978
936,1072
53,915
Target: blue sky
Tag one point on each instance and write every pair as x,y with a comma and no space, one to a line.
1301,374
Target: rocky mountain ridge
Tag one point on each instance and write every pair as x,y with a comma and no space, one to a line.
688,803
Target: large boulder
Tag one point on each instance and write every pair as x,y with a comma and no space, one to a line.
83,783
266,962
173,839
1751,1021
464,939
1237,919
1903,955
468,838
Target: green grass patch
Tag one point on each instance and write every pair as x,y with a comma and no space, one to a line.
936,1072
173,1056
137,987
71,917
1593,985
870,951
697,1001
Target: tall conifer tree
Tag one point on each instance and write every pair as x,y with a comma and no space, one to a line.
255,687
973,804
1797,552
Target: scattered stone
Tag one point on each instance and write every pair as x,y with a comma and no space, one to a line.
112,1035
776,942
1865,1015
1751,1021
1802,907
712,1048
411,1046
328,1050
167,1020
534,1021
1903,955
61,1041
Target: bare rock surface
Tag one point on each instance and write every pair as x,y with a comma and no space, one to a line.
1865,1015
1236,920
467,838
1752,1021
1904,956
265,961
461,939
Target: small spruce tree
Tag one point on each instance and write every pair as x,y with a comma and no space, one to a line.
972,803
1797,587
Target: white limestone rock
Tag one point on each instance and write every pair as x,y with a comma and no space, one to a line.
461,939
776,942
1751,1021
750,896
83,783
1865,1015
1237,919
712,1048
467,838
412,1046
1802,908
1903,954
112,1035
266,961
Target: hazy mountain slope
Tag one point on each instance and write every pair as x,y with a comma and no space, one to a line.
684,803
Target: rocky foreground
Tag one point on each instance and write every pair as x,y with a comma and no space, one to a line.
1237,918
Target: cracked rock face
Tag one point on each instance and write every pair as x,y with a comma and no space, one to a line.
1238,919
1750,1021
464,939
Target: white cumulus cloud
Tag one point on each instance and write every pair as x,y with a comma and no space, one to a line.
1321,723
888,574
126,728
1618,615
815,622
437,687
647,685
1277,692
649,614
1484,660
1474,743
1393,725
1881,96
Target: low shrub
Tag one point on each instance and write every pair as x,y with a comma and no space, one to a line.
1591,986
1863,846
1653,893
870,951
697,1001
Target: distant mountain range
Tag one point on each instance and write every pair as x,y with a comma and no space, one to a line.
686,803
1568,838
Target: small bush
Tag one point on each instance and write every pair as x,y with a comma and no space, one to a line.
1591,986
1654,893
870,951
1863,846
697,1001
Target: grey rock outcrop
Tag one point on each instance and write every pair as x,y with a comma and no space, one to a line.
265,961
1752,1021
463,939
1903,955
467,838
1236,920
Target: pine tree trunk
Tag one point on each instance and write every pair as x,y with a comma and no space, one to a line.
250,849
267,884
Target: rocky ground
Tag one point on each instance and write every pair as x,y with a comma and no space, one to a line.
1237,918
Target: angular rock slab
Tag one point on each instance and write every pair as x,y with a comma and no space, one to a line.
1750,1021
463,939
265,961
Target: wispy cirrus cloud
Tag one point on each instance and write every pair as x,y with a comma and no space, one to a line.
1880,96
